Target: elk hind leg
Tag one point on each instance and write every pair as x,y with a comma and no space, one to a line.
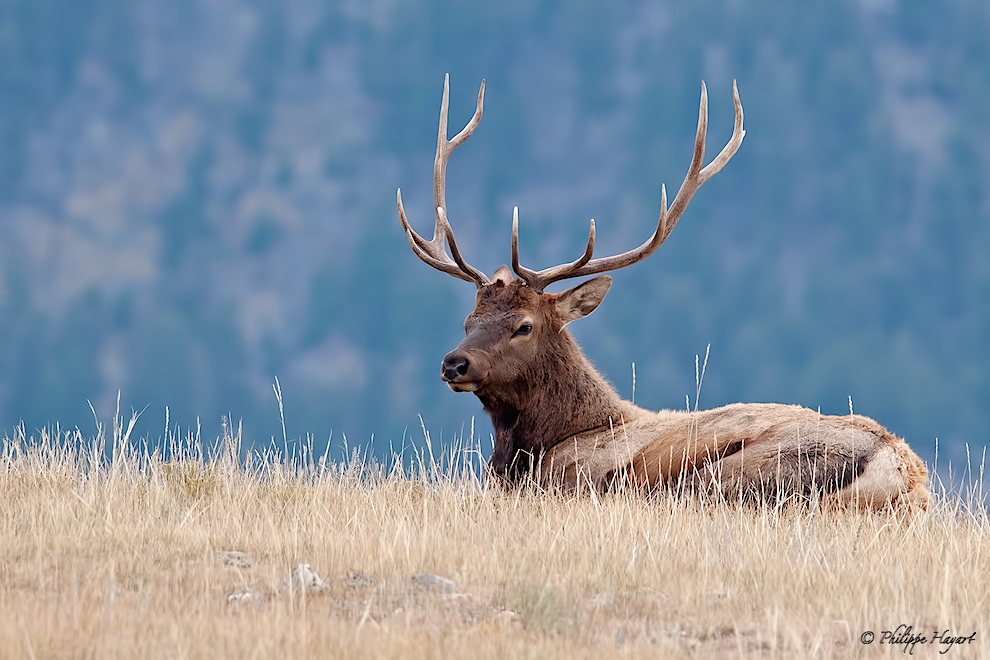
770,471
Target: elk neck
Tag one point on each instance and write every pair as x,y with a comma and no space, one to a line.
563,395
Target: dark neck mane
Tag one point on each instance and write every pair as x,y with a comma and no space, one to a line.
555,401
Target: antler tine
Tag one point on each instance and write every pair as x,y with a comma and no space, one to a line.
475,274
729,150
525,273
475,119
696,176
446,147
433,252
534,279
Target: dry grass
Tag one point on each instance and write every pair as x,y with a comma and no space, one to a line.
126,557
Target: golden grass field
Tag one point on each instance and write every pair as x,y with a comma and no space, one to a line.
136,556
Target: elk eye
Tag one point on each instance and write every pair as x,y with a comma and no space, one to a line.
524,329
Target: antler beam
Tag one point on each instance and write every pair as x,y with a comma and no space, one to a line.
695,178
433,251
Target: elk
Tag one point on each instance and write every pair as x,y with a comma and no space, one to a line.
558,421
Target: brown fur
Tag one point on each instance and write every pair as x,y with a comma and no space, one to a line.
557,418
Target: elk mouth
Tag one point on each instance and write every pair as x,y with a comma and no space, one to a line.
462,382
468,386
461,374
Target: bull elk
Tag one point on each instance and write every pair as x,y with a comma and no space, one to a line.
558,420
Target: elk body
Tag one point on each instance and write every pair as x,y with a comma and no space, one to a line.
559,420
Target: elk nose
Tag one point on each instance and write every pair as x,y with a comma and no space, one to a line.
454,366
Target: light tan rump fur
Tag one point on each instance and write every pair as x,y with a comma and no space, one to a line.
747,450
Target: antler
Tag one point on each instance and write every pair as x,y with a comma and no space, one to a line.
695,178
432,252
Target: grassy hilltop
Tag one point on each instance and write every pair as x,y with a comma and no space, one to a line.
180,554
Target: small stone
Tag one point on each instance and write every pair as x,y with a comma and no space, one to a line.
359,580
237,559
431,582
506,618
601,600
303,579
246,597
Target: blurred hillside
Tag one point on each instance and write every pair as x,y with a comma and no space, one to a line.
198,197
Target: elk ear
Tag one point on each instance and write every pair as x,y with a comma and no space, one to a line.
583,299
503,275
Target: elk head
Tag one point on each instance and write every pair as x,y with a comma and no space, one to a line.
514,333
516,349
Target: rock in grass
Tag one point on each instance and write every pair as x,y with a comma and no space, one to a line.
507,618
431,582
302,579
360,580
246,597
237,559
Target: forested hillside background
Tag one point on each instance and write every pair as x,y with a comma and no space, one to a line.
198,197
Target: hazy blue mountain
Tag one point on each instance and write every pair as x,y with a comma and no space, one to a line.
198,197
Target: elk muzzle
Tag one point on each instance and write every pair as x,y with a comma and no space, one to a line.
460,372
